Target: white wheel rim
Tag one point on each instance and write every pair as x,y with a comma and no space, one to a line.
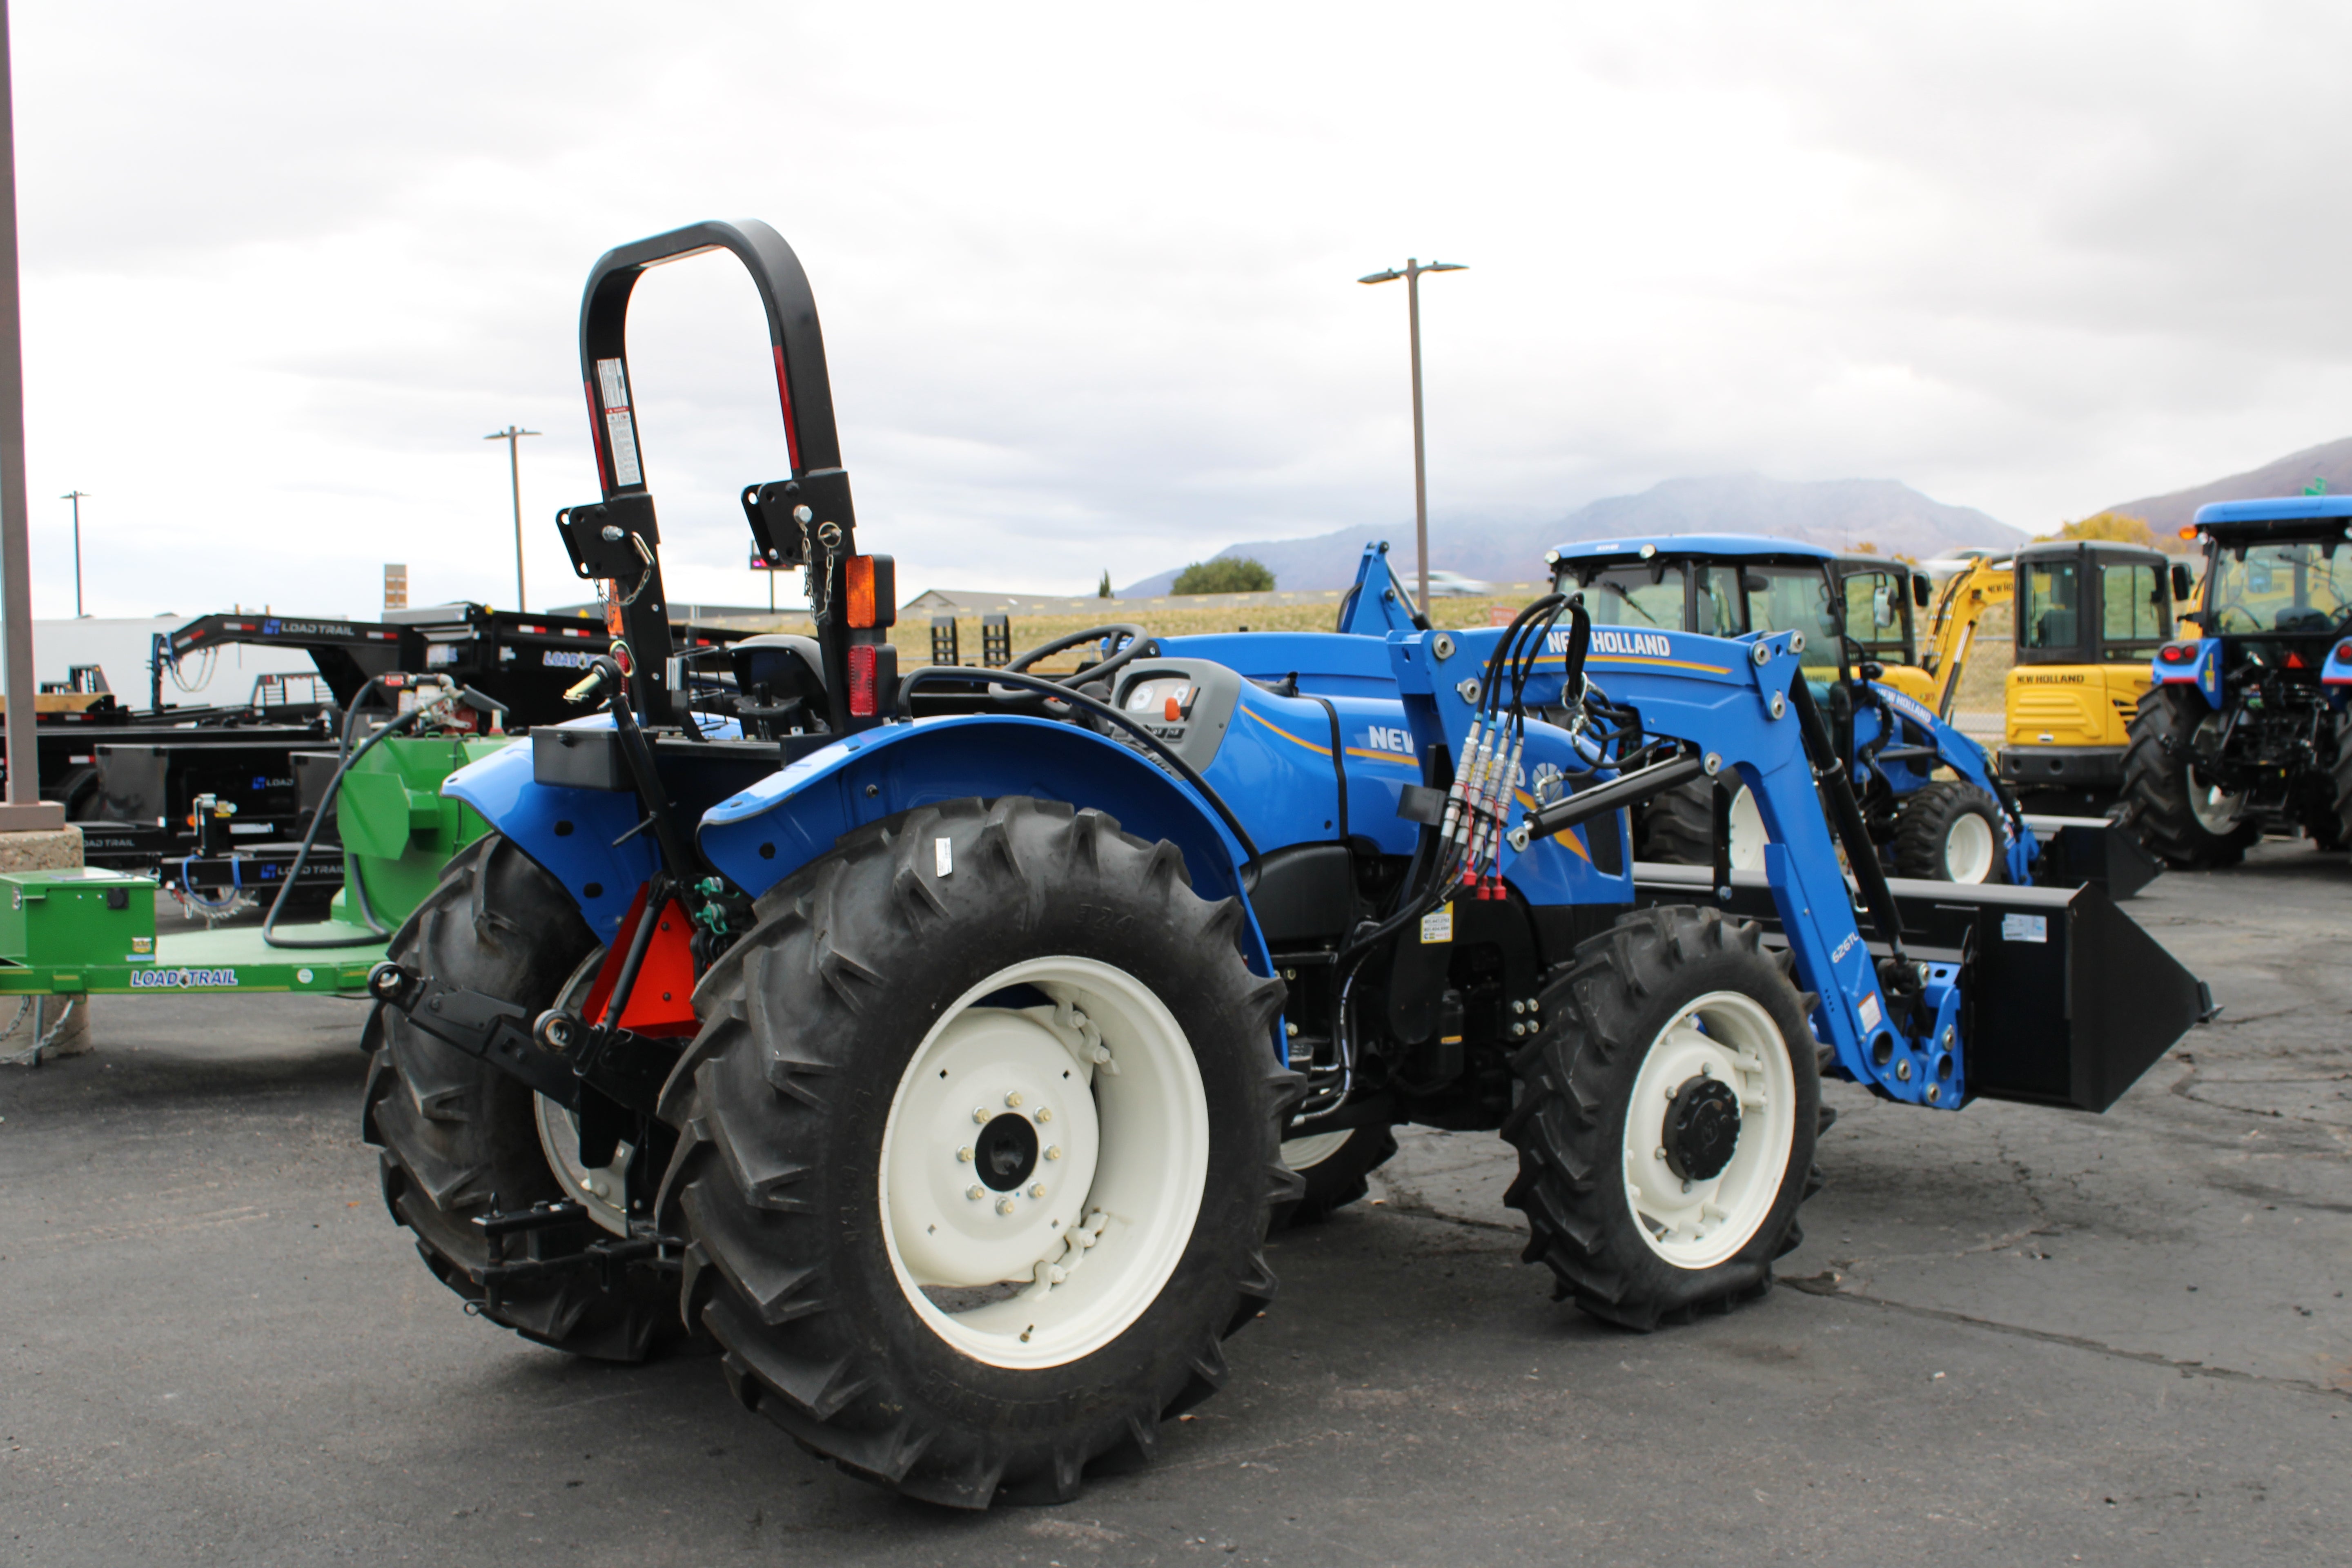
602,1190
1304,1154
1105,1084
1747,835
2217,811
1968,848
1727,1036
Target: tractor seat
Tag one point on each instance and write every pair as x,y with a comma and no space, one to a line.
779,667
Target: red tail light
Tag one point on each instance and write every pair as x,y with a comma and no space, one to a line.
861,680
2344,651
2177,653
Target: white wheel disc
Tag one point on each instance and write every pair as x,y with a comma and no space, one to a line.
603,1191
1747,835
1968,848
2217,811
1304,1154
1729,1037
1043,1165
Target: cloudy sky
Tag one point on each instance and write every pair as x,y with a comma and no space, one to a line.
1087,272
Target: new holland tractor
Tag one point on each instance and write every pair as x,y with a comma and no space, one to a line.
1886,713
2243,731
929,1038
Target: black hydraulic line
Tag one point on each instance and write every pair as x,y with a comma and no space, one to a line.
347,760
1055,688
1625,789
1845,816
1338,758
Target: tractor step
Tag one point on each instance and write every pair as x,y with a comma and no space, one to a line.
2069,1001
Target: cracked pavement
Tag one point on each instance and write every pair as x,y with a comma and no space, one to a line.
2014,1335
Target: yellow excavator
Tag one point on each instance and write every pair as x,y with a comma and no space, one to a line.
2089,615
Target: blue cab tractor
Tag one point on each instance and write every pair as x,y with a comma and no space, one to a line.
2244,731
1853,613
930,1038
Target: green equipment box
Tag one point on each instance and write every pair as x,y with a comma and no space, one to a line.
72,918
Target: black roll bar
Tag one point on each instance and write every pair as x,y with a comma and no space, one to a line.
806,520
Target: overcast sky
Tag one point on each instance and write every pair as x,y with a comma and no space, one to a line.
1087,272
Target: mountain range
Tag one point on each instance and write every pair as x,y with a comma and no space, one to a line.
1837,513
2288,476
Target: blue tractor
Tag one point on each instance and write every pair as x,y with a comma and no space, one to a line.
1933,801
930,1039
2243,731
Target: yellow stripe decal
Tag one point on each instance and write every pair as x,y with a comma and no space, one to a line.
1561,658
1411,763
1565,835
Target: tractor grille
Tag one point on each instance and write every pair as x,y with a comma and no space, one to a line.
2062,713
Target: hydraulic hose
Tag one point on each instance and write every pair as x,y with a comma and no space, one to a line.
346,758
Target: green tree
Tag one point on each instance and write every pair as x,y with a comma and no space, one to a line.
2116,526
1103,591
1226,575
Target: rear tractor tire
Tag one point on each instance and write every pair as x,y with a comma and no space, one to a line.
1950,831
459,1139
1667,1121
2178,816
979,1145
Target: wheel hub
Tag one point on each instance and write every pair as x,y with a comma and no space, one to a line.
1702,1130
1006,1153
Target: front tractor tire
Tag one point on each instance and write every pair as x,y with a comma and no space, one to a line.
2177,815
1335,1167
978,1148
1677,828
459,1139
1950,831
1666,1125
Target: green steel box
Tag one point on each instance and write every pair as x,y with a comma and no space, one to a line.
74,917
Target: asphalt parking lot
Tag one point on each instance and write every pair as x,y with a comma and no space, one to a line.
2013,1335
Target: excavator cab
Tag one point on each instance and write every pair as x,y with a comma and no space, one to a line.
2090,615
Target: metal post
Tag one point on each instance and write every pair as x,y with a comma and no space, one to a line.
512,436
1411,276
1420,453
76,496
24,809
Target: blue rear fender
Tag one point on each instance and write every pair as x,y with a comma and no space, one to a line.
767,832
582,836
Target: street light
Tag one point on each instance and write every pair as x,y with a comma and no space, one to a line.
512,436
76,496
1411,276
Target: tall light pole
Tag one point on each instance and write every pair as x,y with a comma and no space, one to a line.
1411,276
512,436
76,496
24,809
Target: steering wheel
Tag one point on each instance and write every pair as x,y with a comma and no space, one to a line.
1138,639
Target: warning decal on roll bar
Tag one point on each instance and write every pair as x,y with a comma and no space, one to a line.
620,431
2025,928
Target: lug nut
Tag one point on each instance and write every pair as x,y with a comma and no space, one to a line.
1055,1153
980,1115
976,1193
1004,1205
964,1155
1044,1113
1013,1101
1037,1189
